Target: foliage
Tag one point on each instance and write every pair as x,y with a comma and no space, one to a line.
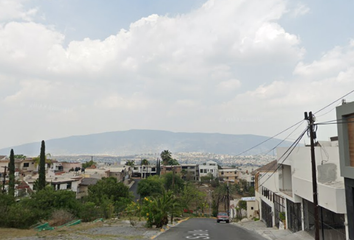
167,159
191,195
89,211
41,171
19,156
157,209
165,156
242,204
207,179
108,188
145,162
173,182
282,216
60,217
12,173
150,186
21,216
130,163
215,208
88,164
47,200
158,167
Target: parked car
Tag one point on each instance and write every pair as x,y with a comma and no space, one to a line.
222,216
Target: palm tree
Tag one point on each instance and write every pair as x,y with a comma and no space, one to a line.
145,162
162,206
166,156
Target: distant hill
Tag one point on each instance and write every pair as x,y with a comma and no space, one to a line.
121,143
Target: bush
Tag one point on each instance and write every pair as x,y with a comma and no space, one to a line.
89,212
21,216
60,217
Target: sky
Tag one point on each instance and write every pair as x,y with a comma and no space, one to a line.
77,67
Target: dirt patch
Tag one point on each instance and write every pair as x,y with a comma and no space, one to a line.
112,229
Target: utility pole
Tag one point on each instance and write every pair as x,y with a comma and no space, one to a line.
310,118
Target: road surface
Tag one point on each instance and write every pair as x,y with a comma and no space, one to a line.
205,228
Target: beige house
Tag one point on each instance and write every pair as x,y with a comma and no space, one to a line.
229,174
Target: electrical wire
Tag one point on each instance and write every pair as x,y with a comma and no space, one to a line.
334,101
290,150
282,140
268,139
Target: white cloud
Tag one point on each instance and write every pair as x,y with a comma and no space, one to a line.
14,9
180,73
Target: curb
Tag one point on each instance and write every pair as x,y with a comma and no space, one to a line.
167,227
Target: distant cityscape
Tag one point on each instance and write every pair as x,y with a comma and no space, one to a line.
182,157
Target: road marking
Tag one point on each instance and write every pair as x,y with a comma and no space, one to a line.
198,234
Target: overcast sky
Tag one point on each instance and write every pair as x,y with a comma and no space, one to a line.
73,67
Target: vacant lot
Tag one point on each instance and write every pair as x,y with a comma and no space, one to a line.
113,229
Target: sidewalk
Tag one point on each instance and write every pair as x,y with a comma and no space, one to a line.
273,233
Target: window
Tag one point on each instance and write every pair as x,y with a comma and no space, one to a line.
153,169
68,186
26,164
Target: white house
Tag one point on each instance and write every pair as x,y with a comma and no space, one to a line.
210,167
287,190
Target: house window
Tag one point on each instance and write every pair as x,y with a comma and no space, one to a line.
68,186
26,164
153,169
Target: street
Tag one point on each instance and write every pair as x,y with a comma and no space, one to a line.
204,228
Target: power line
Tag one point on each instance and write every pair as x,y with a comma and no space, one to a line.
334,101
268,139
290,150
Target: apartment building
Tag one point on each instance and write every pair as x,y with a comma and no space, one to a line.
227,174
345,118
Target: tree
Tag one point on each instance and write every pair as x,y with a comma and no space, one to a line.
167,159
19,156
130,163
41,171
173,182
158,167
157,209
151,186
12,173
47,159
173,161
145,162
109,188
88,164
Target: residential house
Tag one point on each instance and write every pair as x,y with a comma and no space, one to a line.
177,169
190,172
144,171
345,118
210,168
247,174
286,193
228,174
82,189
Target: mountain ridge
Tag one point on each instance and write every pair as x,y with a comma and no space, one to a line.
137,141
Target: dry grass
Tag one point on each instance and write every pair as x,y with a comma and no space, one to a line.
6,233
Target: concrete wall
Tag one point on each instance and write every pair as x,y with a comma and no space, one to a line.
330,184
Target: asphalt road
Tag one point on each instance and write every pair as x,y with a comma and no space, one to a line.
134,189
204,228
